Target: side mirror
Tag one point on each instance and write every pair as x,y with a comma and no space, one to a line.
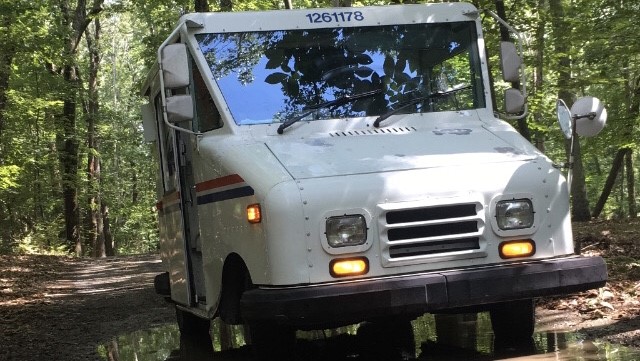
175,72
587,117
588,113
175,66
510,62
512,72
148,123
591,116
564,118
513,101
179,108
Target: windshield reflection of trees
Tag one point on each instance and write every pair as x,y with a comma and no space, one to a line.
313,66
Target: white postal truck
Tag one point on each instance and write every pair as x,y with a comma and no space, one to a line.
323,167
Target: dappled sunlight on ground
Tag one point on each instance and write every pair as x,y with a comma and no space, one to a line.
22,278
62,308
29,279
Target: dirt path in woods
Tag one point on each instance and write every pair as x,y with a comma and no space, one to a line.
56,308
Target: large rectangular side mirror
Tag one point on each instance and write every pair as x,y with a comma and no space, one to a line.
510,62
175,66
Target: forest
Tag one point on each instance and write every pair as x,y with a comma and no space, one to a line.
77,178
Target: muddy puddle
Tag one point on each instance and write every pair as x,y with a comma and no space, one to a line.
459,337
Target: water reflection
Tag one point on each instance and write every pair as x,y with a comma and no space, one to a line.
433,338
144,345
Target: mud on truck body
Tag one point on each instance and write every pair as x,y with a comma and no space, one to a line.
324,167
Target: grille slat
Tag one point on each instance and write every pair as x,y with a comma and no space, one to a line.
436,230
435,247
430,214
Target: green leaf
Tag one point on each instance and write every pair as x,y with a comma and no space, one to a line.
275,78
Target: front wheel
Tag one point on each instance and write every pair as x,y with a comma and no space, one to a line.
513,322
195,338
191,324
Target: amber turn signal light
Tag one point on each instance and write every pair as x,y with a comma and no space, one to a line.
519,248
254,214
349,267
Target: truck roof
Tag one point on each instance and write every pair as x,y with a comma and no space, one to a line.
221,22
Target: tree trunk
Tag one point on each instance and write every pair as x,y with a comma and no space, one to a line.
500,11
68,156
6,58
112,351
610,182
562,46
135,193
341,3
538,80
75,23
109,243
94,215
579,200
288,4
633,94
631,190
226,5
202,6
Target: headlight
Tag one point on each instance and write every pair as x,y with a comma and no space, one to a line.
346,230
514,214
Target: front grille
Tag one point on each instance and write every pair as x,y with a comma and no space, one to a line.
430,232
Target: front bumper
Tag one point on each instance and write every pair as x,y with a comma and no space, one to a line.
354,301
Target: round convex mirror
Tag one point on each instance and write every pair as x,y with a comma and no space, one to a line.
591,116
564,118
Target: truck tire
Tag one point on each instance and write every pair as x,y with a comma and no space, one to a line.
272,342
162,285
190,324
195,337
513,322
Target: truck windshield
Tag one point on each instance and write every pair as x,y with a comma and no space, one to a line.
272,76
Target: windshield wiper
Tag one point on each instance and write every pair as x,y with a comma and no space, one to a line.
331,103
411,102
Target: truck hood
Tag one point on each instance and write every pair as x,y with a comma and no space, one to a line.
392,149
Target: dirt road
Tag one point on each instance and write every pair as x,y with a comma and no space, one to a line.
55,308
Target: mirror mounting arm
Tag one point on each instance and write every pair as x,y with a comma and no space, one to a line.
590,116
175,127
574,139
